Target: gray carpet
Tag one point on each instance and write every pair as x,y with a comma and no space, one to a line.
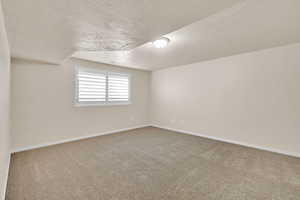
152,164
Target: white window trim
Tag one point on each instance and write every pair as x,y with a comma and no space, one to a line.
106,103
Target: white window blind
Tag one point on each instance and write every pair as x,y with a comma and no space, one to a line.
99,87
118,88
91,87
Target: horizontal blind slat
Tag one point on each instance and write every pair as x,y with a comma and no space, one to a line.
91,97
91,83
91,86
87,86
90,90
91,80
119,81
92,93
91,100
118,88
91,75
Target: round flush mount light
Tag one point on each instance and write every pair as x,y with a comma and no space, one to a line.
161,42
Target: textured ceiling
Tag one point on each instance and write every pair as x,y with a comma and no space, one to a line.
246,26
52,30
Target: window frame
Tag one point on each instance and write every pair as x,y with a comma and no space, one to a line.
106,102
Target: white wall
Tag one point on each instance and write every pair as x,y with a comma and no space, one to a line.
4,106
252,98
43,110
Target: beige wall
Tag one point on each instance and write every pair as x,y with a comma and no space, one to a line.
252,98
4,106
43,111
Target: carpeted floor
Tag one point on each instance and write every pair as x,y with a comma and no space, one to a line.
152,164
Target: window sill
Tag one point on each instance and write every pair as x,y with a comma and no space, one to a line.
100,104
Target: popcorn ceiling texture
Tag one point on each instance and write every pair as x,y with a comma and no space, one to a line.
52,30
246,26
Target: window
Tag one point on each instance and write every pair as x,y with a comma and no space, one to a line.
94,87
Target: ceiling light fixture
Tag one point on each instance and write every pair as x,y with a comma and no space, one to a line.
161,42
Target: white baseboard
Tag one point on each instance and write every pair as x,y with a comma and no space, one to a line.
294,154
75,139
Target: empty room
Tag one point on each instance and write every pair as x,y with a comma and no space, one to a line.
150,100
